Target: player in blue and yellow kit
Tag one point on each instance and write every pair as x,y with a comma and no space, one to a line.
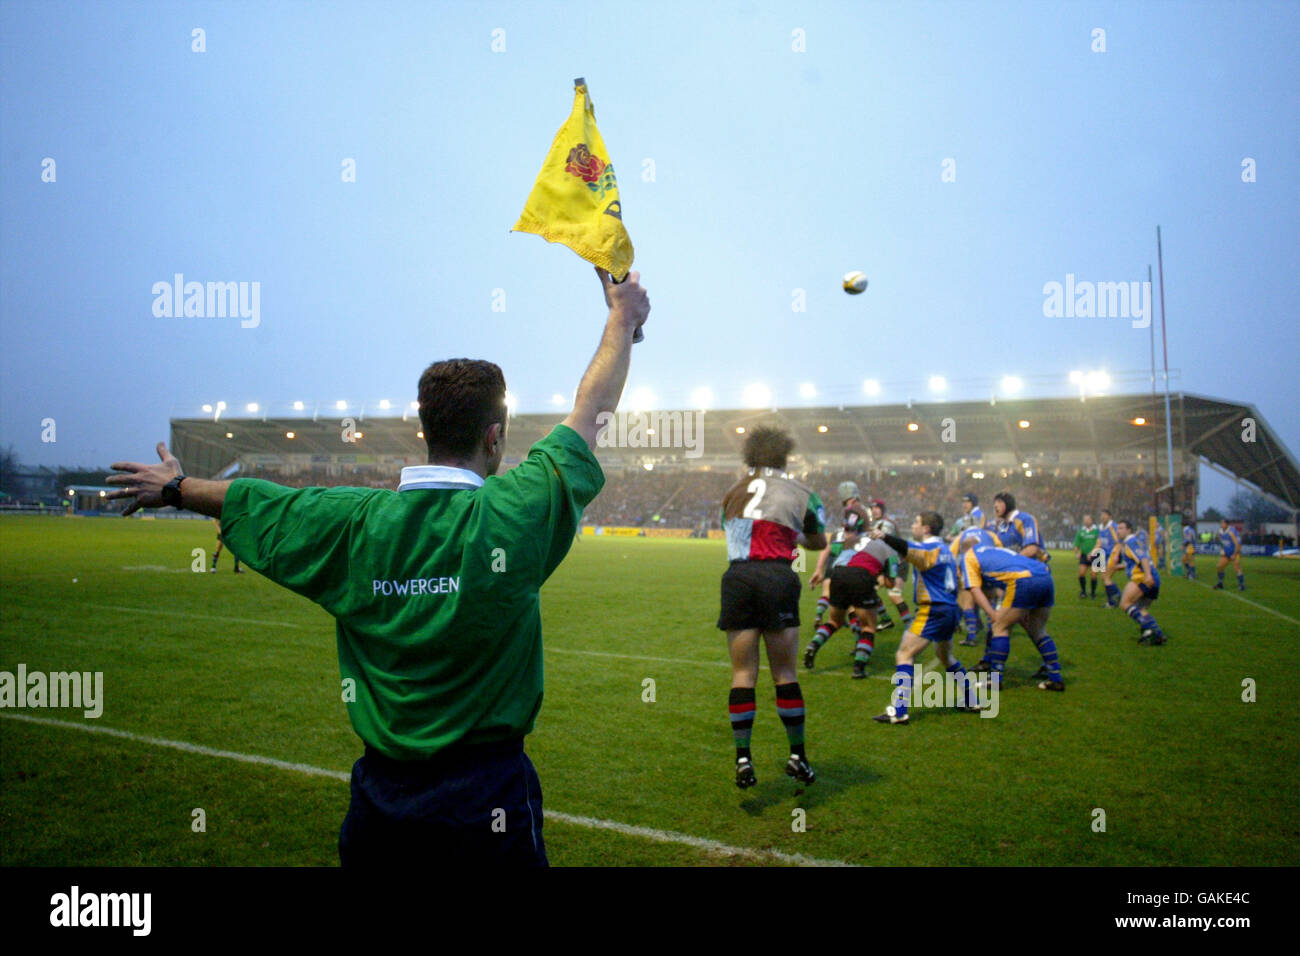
1189,551
1106,541
966,604
972,513
1017,529
1143,581
1028,595
1230,543
934,593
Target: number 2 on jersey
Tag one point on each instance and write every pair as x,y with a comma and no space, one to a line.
756,487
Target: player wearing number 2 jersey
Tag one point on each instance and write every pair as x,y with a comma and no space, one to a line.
763,516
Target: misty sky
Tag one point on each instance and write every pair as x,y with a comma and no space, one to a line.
747,168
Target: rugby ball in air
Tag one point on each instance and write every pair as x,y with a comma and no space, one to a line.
855,283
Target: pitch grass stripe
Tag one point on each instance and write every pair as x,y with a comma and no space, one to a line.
1249,601
556,650
592,823
678,660
203,617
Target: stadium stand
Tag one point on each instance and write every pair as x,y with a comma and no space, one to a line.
1060,457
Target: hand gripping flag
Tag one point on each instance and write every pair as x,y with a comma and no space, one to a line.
575,199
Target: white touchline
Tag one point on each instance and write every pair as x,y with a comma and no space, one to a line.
1249,601
660,836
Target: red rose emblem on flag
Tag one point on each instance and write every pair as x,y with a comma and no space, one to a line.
584,165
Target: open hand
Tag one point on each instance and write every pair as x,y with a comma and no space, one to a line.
144,483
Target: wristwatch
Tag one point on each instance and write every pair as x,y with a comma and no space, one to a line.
171,493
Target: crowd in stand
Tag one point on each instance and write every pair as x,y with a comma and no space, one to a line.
671,498
689,499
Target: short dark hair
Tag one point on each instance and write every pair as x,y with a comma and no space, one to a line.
767,447
1007,499
931,520
459,399
1125,521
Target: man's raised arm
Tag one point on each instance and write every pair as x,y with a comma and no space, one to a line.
603,382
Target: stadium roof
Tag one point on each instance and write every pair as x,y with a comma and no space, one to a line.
1099,430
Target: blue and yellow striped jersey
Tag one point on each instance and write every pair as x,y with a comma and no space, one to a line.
1107,536
937,581
1018,530
1229,541
1132,551
982,536
1000,566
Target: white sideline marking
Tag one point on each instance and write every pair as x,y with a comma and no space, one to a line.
203,617
648,833
182,745
1233,594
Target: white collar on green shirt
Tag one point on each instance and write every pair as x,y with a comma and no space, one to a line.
438,476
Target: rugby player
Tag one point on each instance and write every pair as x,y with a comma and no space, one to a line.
763,515
894,574
1230,545
1017,529
969,612
217,553
1143,585
1085,544
934,592
852,584
850,521
1107,540
1189,551
1028,594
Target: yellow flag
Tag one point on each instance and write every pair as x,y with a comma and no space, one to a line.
575,199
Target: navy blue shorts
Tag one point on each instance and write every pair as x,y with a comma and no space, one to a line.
476,806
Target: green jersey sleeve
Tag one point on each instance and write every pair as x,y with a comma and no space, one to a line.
541,499
814,519
297,537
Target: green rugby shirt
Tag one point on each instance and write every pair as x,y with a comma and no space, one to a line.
1085,539
434,586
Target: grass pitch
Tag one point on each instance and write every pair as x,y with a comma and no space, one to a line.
1158,738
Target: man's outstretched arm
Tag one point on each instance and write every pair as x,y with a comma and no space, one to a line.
144,484
602,385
